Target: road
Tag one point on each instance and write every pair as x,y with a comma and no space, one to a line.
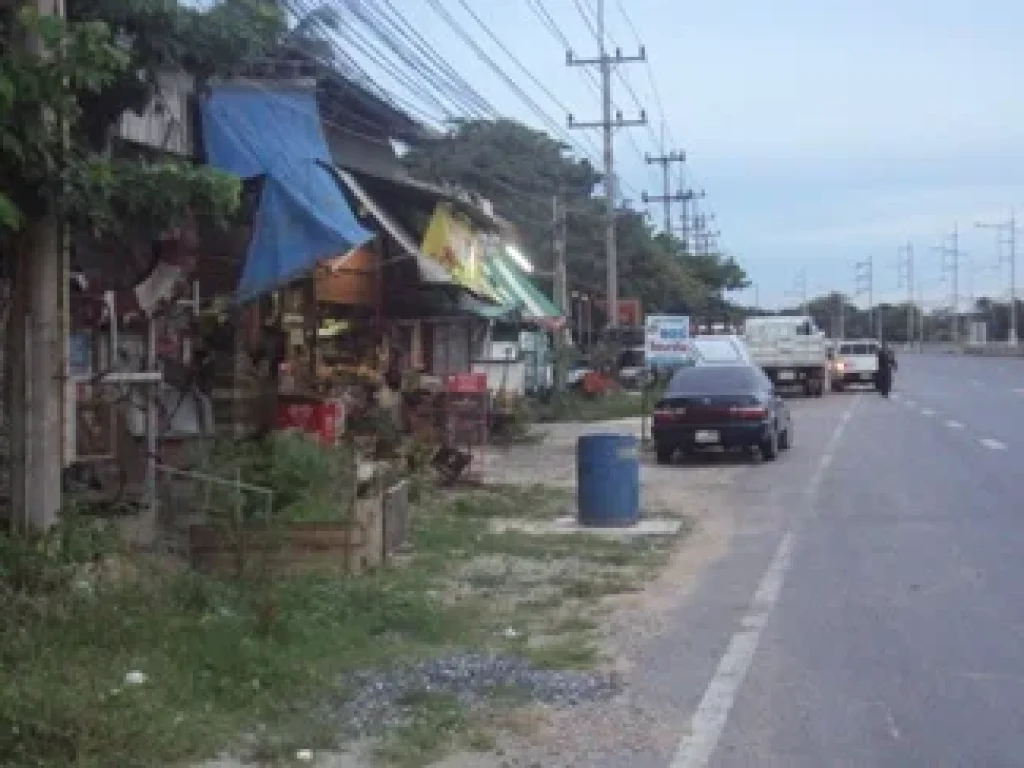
870,611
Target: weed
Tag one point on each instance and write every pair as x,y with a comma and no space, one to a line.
214,663
436,722
566,652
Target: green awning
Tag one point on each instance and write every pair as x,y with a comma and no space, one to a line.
516,290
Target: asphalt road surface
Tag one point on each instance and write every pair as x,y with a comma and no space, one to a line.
871,609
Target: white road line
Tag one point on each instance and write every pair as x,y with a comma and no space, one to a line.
992,445
954,424
927,412
708,722
910,403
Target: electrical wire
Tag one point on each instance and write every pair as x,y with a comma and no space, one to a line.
481,54
522,68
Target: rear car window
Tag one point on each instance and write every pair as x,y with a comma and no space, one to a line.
717,350
713,379
858,349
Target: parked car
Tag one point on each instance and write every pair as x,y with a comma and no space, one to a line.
721,406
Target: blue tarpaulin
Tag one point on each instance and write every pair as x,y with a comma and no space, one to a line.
303,217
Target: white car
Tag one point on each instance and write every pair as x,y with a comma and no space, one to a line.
856,362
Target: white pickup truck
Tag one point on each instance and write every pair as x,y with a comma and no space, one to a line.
856,362
791,351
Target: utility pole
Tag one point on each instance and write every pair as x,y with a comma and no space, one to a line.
607,124
1010,228
38,368
865,279
702,236
906,279
801,289
558,242
686,220
951,266
841,317
559,284
666,197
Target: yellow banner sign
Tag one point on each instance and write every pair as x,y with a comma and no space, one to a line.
452,243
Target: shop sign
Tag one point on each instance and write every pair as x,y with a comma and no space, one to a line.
667,340
453,244
466,383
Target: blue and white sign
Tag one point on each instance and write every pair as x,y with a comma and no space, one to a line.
667,341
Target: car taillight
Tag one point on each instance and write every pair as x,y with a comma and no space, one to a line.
751,412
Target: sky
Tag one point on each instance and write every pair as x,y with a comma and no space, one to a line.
824,133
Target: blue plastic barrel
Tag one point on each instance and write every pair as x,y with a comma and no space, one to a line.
608,480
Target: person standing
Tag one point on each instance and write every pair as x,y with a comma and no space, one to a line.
886,363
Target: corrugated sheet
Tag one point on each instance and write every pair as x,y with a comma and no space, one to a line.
166,124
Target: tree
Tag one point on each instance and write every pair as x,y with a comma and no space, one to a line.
63,84
56,111
521,170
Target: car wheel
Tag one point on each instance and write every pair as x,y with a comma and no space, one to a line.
663,454
770,446
786,439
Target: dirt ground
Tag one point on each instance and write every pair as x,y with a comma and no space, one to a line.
627,622
535,736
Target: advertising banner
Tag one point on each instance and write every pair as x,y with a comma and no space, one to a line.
452,243
667,341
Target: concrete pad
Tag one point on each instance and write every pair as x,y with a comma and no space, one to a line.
646,527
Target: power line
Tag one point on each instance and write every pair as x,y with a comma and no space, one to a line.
515,60
481,54
302,11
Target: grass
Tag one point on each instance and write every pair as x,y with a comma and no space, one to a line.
219,658
243,665
574,406
437,724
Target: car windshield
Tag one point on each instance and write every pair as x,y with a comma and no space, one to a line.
713,379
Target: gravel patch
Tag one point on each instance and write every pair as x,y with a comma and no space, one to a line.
387,698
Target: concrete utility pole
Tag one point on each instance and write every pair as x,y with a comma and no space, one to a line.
865,279
607,124
558,243
702,236
1010,228
690,196
906,279
841,317
666,197
38,372
800,290
559,284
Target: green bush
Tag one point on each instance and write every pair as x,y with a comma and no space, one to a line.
310,481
